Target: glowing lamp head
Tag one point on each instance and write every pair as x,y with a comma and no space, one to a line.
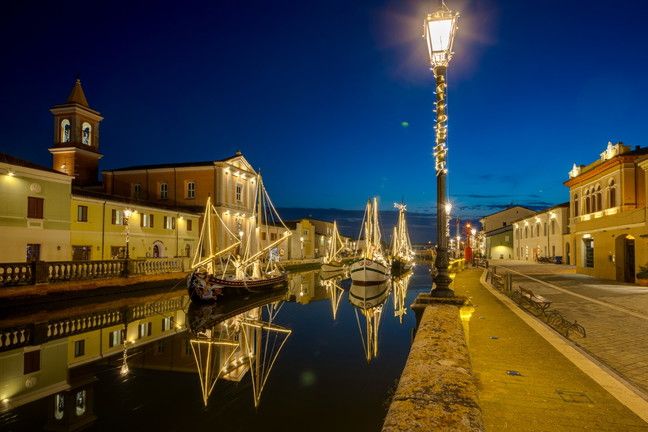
448,207
440,28
241,233
128,213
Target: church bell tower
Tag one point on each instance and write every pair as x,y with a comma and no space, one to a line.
76,138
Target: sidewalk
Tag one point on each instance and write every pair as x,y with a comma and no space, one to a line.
525,383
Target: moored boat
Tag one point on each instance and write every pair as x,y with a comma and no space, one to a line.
373,266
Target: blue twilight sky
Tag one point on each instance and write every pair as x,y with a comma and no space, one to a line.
315,93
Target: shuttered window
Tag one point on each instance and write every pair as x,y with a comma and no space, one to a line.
35,207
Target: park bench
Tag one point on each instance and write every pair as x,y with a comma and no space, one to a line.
539,303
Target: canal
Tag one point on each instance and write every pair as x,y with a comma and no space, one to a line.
320,355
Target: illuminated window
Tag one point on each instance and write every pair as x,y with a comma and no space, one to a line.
588,244
65,131
86,133
80,403
239,192
59,406
115,338
144,329
167,323
118,217
169,222
164,191
190,191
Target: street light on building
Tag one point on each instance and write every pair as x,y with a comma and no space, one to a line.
127,214
440,27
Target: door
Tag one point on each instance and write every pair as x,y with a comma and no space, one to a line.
629,268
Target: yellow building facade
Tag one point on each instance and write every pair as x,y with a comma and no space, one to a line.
608,220
98,229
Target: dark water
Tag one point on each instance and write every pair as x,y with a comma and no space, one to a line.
327,375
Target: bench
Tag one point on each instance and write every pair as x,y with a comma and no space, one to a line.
538,302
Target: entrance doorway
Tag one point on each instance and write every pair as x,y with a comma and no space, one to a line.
625,258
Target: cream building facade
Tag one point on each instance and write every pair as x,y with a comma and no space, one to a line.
542,235
497,231
608,220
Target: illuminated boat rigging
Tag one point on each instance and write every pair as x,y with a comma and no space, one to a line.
401,250
369,301
373,266
332,261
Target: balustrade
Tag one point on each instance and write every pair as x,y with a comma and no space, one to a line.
12,274
60,271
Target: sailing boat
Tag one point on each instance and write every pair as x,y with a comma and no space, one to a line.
230,339
373,267
334,292
332,261
258,267
369,301
402,253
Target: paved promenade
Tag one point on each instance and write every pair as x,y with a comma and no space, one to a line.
525,382
615,315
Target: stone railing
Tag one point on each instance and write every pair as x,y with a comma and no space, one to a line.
157,265
12,274
158,307
11,338
61,271
71,326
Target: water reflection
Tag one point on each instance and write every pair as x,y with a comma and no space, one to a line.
233,337
368,301
56,359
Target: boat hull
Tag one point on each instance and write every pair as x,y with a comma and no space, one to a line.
210,288
368,272
333,266
368,296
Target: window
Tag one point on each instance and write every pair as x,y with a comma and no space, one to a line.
35,207
599,200
576,205
65,131
161,346
588,208
117,217
187,250
264,236
82,213
59,406
146,220
81,253
526,232
86,133
33,252
588,243
31,362
167,323
553,226
503,224
117,252
239,192
144,329
273,236
79,348
189,224
169,222
80,403
164,191
190,190
115,338
544,229
137,190
611,194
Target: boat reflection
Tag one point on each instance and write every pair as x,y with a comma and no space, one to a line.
334,291
400,285
236,336
369,301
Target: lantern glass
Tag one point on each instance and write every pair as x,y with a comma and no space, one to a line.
439,32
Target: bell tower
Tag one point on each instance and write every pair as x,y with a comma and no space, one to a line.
76,138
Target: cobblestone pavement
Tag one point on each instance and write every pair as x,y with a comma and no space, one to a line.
615,315
525,383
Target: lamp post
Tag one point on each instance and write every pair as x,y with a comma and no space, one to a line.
440,27
127,214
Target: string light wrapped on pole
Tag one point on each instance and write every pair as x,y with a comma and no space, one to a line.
440,28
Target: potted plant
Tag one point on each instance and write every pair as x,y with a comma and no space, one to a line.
642,276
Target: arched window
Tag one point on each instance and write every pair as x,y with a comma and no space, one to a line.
553,226
599,199
544,229
65,130
588,209
611,194
576,205
86,133
526,232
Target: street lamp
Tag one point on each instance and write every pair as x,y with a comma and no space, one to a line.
440,27
127,214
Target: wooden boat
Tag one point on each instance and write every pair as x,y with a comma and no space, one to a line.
373,266
256,270
401,250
